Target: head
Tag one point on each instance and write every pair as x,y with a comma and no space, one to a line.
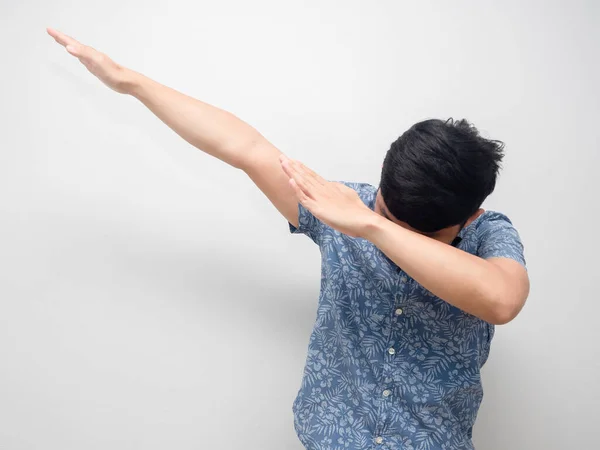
435,177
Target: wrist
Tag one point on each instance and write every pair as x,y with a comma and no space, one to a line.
373,224
133,83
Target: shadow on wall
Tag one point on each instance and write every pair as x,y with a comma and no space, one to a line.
209,279
505,392
203,278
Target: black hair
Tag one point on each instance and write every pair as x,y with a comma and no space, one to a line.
438,173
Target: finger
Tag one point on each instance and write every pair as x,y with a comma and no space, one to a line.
298,177
86,54
286,164
61,38
300,195
296,169
73,46
283,160
81,51
312,174
303,175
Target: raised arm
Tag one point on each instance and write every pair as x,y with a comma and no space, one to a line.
208,128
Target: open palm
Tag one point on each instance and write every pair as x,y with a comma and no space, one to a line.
335,204
100,65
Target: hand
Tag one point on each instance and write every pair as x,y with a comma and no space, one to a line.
105,69
335,204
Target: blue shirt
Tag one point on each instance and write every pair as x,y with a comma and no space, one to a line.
390,365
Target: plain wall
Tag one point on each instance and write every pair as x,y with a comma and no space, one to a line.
152,298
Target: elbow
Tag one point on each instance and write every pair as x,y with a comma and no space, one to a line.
506,299
247,154
502,316
504,311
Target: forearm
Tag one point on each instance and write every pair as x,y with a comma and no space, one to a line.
466,281
210,129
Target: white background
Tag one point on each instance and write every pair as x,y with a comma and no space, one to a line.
152,298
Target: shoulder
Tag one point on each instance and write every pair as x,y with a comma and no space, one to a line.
494,234
490,220
487,224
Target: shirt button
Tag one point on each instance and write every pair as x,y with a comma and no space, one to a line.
398,311
387,393
379,439
391,351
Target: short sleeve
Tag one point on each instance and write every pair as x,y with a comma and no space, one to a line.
499,238
308,224
314,228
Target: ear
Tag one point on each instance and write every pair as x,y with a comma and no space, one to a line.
477,213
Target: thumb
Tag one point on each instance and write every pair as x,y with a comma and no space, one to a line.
73,50
81,51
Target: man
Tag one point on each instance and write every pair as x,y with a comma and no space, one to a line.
414,273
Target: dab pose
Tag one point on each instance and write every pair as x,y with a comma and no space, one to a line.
415,273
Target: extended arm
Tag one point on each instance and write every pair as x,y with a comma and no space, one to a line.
222,135
210,129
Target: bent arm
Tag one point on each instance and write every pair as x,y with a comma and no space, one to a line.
493,289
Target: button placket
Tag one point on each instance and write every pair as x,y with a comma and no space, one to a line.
401,295
391,352
387,388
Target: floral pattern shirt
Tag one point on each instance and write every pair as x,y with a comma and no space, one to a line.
390,365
